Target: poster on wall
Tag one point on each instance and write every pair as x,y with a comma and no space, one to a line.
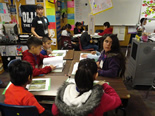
148,11
98,6
91,24
28,13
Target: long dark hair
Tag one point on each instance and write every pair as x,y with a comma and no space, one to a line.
84,76
115,48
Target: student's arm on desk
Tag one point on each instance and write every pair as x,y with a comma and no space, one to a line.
37,71
110,99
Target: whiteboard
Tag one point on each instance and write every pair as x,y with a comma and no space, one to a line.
124,12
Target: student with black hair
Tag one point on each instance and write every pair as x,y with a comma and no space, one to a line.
106,29
84,98
21,74
78,28
86,40
66,31
111,63
46,49
143,21
35,58
40,24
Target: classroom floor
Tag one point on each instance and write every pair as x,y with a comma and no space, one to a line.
138,105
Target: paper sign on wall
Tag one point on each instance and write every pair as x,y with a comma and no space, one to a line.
54,42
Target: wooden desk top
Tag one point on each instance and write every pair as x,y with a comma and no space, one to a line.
116,83
69,55
77,54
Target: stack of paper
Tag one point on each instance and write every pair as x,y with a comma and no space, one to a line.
75,67
55,61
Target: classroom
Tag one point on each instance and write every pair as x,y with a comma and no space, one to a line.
77,57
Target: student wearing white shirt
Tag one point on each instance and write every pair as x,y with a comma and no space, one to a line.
66,31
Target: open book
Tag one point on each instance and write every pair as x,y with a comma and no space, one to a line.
58,53
38,84
55,61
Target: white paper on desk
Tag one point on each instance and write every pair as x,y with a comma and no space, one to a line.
30,1
75,67
58,53
39,84
55,61
11,50
82,54
76,35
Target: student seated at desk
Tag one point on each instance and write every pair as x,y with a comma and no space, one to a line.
46,46
17,94
143,22
78,28
111,62
86,41
106,29
35,58
84,98
66,32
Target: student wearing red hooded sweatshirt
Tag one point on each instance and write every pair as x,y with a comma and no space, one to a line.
106,29
35,58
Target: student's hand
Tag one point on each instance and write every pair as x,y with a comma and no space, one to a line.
98,64
101,82
93,52
84,55
52,67
73,42
49,52
39,37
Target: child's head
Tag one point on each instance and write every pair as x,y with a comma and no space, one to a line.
106,25
143,21
78,25
46,43
85,75
34,45
20,72
39,9
68,27
111,43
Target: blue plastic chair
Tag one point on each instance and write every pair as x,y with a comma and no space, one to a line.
14,110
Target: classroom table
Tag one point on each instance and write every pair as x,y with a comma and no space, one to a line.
77,54
116,83
69,55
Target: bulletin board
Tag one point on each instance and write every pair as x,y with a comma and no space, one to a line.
124,12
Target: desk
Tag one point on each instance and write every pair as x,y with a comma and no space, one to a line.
69,55
116,83
77,54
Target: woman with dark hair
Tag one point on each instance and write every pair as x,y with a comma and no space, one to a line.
111,62
78,28
84,98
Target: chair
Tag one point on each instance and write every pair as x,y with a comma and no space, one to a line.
80,46
14,110
66,42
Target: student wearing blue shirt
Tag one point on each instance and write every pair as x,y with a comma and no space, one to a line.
46,46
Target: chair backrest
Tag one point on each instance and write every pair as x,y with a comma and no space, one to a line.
66,42
80,46
15,110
